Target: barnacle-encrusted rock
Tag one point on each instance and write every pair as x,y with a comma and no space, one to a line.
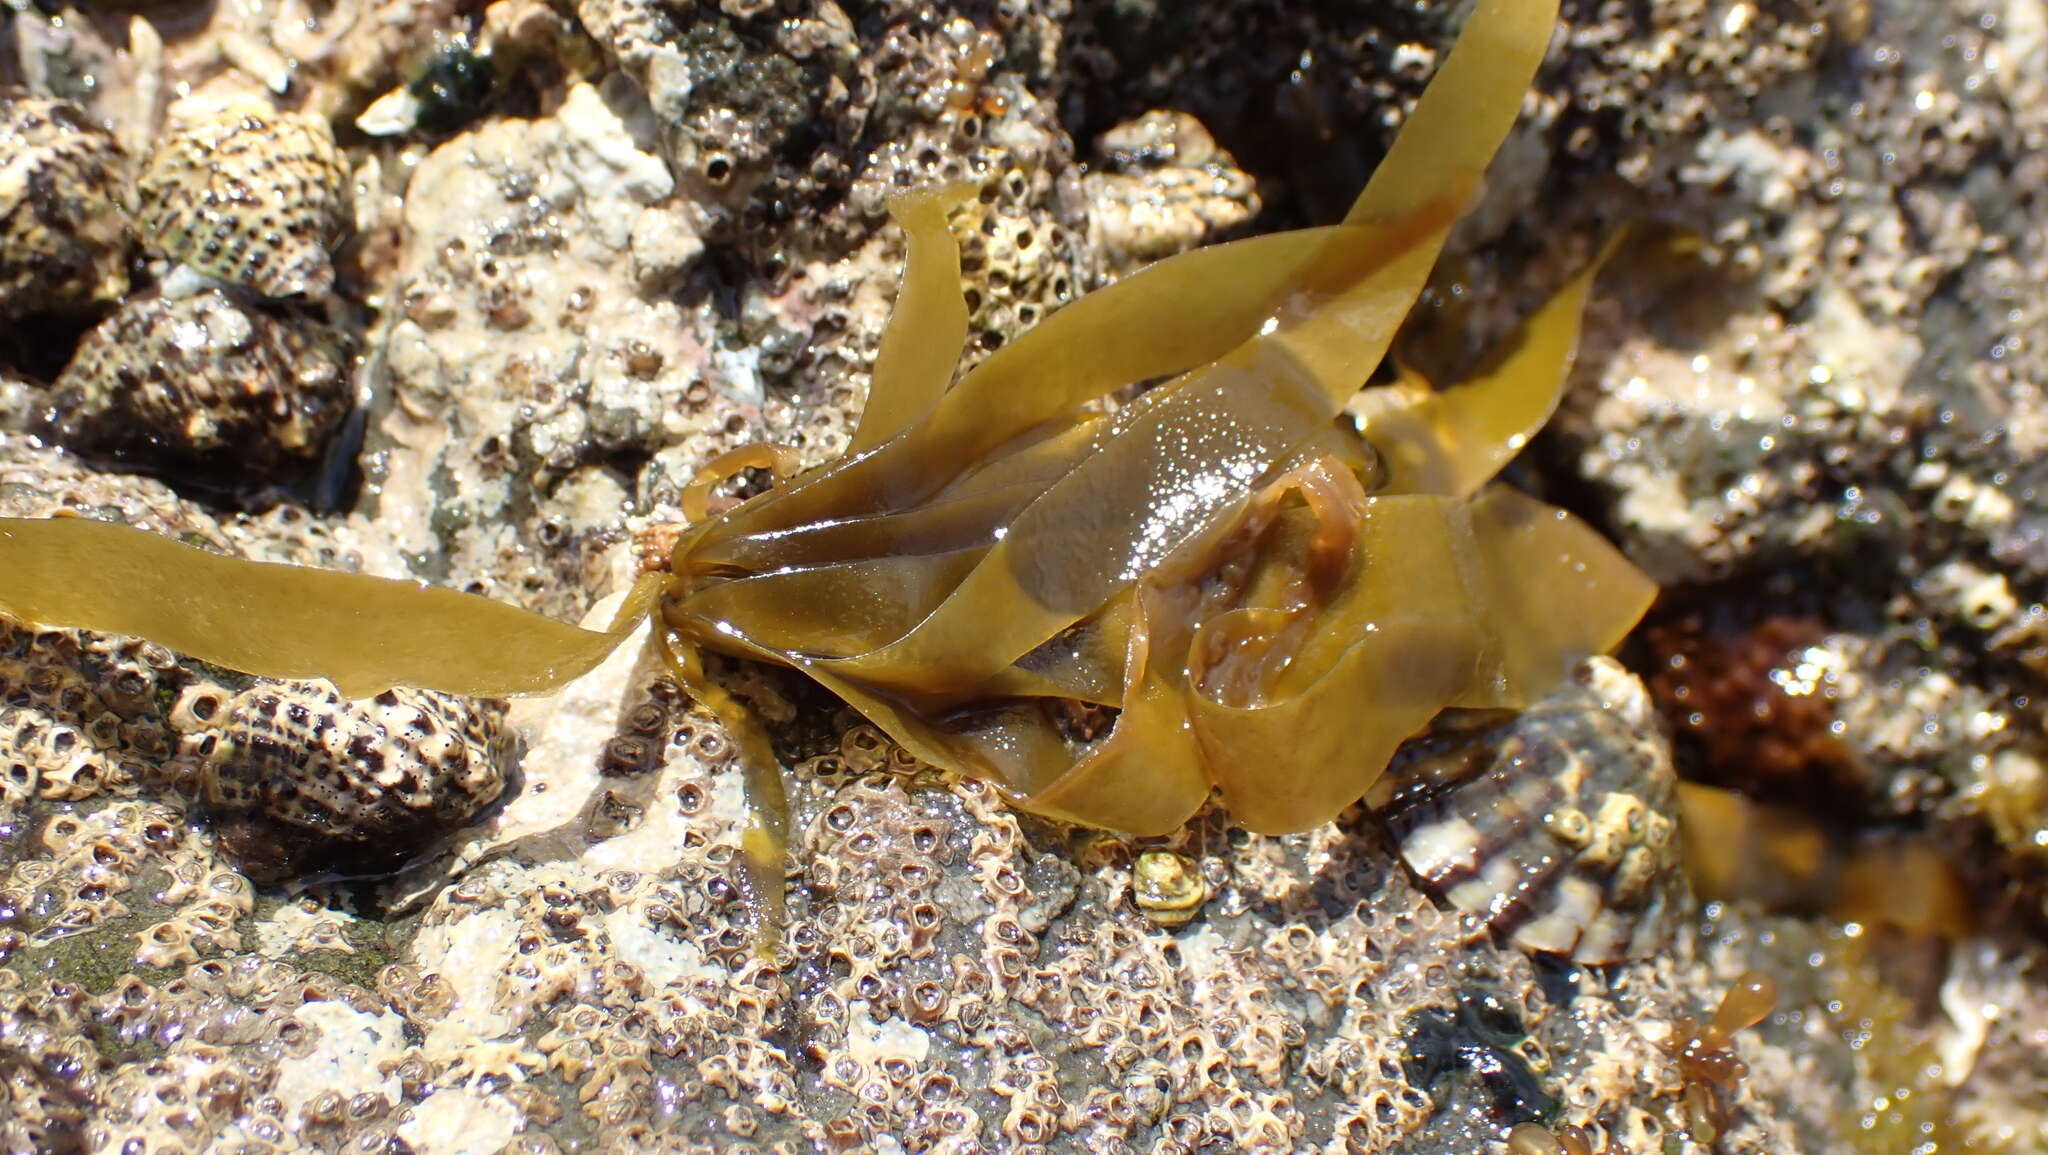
206,383
958,977
44,1103
78,714
303,778
85,880
63,214
955,973
247,193
244,1054
1559,827
1165,187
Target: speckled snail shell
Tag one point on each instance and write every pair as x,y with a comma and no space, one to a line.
206,382
301,776
62,213
246,193
1559,826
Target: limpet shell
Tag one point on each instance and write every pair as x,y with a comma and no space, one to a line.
1560,825
205,382
248,194
62,217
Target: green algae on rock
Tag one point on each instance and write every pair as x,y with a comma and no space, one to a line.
1266,602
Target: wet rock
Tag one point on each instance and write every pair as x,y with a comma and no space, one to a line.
587,300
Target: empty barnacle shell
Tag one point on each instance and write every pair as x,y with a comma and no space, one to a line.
62,217
299,777
247,193
204,383
1560,825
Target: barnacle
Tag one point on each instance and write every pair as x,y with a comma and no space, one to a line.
1167,887
1260,600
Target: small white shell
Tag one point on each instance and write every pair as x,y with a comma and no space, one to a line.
246,193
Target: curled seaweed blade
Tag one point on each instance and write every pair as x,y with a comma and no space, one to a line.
1187,453
1465,113
1553,592
1455,440
1032,523
365,634
1369,670
1149,775
1170,317
928,327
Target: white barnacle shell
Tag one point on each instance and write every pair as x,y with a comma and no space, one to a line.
247,193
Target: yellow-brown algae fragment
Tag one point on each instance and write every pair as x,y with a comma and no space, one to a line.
918,355
1781,857
1535,1139
364,634
1204,562
1705,1054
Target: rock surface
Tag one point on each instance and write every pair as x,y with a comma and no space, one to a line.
615,238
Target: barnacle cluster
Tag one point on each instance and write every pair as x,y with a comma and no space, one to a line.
89,879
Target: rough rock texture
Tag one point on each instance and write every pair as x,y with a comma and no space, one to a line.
658,232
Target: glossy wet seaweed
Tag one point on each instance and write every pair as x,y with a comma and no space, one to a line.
1263,600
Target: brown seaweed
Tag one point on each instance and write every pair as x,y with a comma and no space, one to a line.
1265,599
